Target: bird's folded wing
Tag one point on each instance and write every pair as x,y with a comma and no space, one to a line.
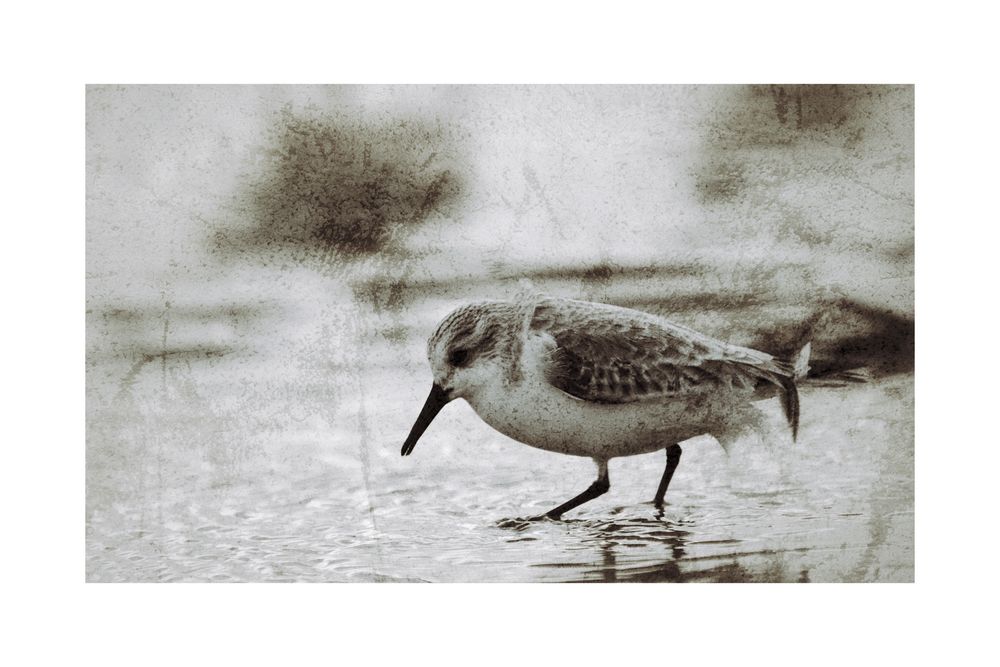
606,354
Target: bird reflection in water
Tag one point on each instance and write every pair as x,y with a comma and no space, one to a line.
614,539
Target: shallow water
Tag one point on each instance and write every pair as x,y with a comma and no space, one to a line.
285,466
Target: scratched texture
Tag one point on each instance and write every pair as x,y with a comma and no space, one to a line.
264,264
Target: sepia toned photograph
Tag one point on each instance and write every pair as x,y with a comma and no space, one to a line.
500,333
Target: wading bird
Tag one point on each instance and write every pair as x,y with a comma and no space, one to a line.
595,380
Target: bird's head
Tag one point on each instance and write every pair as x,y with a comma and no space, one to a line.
465,354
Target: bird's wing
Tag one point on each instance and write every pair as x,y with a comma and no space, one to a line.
606,354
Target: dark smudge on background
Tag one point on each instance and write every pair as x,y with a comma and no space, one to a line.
329,188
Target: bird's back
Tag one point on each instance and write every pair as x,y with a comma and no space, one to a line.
608,354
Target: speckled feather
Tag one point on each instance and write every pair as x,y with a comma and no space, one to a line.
606,354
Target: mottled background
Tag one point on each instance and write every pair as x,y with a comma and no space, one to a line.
264,264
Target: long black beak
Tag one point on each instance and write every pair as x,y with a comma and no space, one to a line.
436,400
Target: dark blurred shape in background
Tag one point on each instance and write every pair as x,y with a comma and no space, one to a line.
827,167
846,335
328,184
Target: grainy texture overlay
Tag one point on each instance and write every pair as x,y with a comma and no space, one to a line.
266,263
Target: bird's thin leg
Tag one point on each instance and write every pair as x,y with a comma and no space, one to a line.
598,488
673,458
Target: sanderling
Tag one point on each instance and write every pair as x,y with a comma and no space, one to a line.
595,380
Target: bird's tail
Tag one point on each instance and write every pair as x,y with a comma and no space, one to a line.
798,369
790,403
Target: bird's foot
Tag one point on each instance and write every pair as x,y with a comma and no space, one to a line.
523,524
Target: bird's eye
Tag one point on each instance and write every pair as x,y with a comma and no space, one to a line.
458,357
